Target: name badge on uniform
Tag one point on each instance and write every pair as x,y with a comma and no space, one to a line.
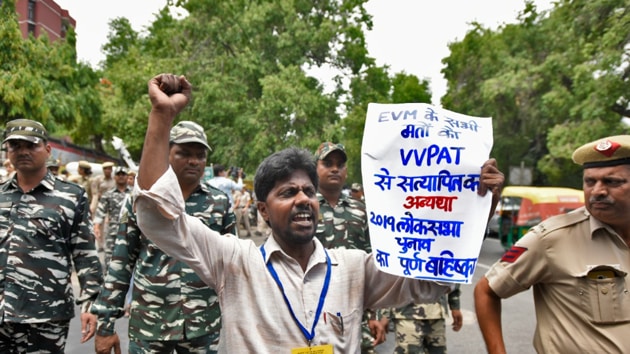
316,349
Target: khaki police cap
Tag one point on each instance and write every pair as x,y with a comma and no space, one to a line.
610,151
25,129
85,164
107,164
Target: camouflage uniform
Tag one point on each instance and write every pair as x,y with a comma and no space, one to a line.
108,209
346,226
170,303
43,233
422,328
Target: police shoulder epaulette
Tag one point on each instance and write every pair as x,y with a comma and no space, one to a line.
560,221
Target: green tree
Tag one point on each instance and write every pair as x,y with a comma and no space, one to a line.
247,62
552,82
131,59
375,85
120,39
41,80
21,94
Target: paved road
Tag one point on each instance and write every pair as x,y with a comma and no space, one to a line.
518,319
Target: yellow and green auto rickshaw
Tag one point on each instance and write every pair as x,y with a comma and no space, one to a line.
523,207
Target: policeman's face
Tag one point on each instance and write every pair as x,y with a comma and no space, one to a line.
607,194
188,162
291,209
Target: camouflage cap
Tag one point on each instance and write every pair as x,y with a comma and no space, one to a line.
25,129
356,187
327,147
52,162
120,170
610,151
188,132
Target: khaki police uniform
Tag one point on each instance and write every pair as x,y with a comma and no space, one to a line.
578,268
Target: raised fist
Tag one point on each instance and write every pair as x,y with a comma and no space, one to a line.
170,84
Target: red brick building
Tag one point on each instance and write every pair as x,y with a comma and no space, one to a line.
39,16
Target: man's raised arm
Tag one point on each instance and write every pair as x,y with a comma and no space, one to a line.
169,94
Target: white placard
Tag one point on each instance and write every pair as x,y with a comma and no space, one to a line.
421,167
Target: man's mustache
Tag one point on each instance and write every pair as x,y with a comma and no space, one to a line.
604,200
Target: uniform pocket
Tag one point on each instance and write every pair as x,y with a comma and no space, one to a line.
605,295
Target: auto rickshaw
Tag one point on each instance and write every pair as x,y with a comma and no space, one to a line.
524,207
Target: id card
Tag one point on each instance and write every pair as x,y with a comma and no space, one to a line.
316,349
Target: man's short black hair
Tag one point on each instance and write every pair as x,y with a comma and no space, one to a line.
279,166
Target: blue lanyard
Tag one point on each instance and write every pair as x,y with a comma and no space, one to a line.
309,336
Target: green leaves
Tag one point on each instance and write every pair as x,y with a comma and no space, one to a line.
41,80
552,82
246,62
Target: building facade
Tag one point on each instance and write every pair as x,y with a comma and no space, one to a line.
39,16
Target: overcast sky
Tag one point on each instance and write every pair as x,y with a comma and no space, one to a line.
408,35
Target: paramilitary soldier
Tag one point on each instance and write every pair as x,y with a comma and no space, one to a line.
171,308
421,328
45,231
107,216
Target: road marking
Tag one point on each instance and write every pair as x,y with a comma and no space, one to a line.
484,266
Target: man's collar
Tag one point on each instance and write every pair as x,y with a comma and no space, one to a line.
318,255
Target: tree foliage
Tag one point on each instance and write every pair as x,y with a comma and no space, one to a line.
375,85
551,82
247,62
41,80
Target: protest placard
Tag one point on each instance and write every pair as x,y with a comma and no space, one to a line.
421,166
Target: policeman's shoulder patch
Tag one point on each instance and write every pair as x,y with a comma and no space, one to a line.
511,255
